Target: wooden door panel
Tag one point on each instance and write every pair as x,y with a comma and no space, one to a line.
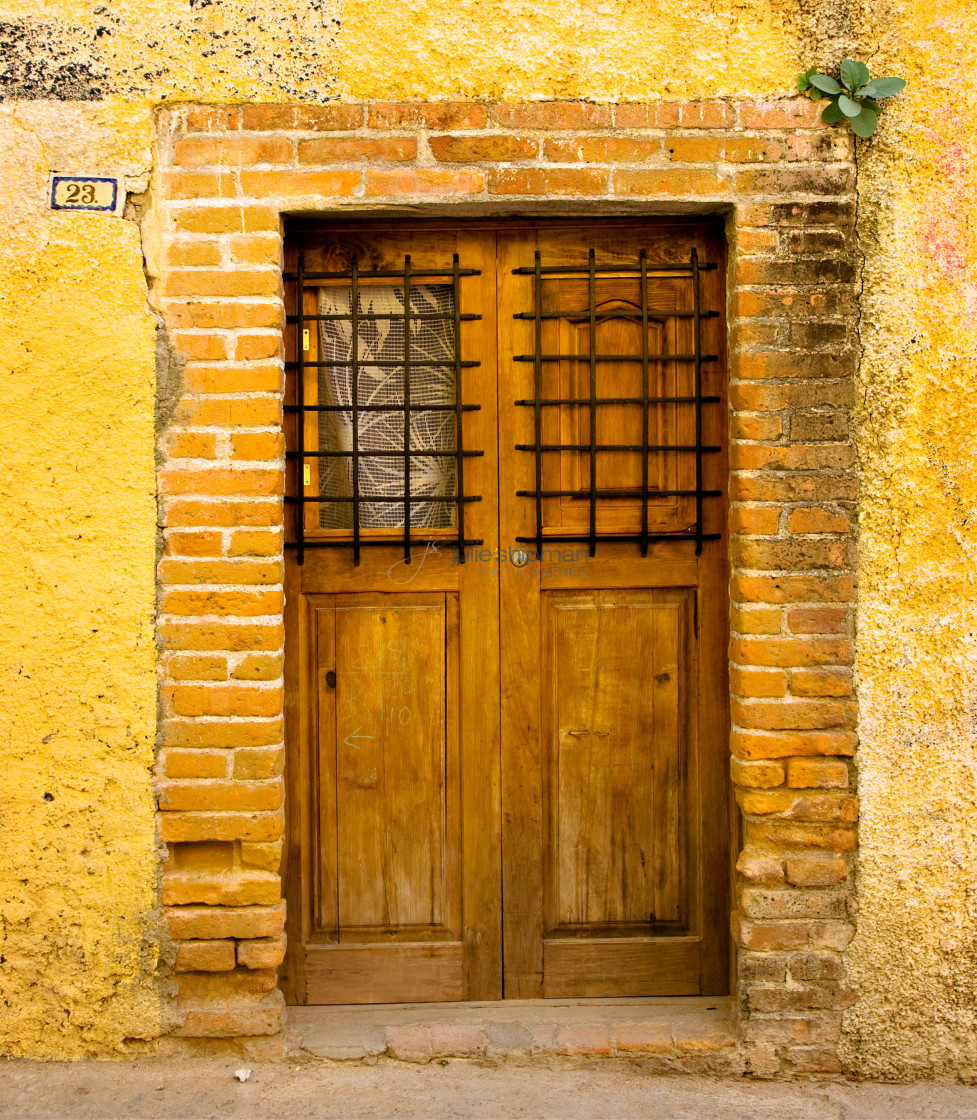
393,870
395,666
619,752
615,833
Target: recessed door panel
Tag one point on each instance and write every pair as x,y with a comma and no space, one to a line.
620,755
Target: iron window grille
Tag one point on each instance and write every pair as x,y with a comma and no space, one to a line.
353,410
642,270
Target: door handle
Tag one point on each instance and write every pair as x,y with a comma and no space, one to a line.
587,731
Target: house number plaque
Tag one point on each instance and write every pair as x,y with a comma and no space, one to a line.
84,192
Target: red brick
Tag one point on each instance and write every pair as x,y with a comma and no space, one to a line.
219,481
204,379
805,773
763,521
816,871
757,775
195,764
551,114
245,543
809,806
423,181
259,666
723,149
823,588
782,835
817,620
209,118
317,118
208,347
439,115
226,282
343,149
183,512
757,744
603,149
760,868
262,953
481,149
242,603
258,763
671,182
239,733
675,114
254,347
789,904
766,426
204,956
203,543
319,184
220,796
787,653
821,682
191,827
195,666
798,112
220,571
226,219
221,888
817,521
233,1022
548,181
225,634
771,936
791,715
233,150
262,856
745,681
257,445
222,700
224,314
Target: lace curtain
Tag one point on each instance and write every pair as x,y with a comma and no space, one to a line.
432,340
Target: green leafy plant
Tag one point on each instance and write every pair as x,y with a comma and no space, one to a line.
855,99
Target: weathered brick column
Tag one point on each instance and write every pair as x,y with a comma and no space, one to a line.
226,175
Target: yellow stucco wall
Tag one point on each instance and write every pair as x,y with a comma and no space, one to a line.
915,955
77,874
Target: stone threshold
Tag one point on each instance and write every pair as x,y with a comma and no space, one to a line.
685,1034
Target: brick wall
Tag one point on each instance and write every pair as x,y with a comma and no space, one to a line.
226,175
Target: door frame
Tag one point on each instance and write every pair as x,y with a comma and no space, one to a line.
294,719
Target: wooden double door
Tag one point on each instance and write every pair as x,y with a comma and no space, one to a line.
506,757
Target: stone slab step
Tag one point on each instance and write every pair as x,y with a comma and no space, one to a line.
691,1034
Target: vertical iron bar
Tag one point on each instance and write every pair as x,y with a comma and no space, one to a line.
300,316
355,310
459,413
643,260
407,409
697,353
538,382
592,291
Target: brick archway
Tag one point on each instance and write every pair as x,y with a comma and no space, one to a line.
227,174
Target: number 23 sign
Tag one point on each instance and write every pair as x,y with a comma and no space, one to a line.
83,192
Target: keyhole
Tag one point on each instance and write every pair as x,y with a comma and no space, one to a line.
331,678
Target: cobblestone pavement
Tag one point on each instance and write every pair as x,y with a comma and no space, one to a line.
181,1089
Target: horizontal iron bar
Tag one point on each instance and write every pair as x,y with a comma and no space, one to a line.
652,313
388,499
387,364
582,268
623,537
386,317
617,494
387,274
378,454
370,542
607,358
380,408
612,447
617,400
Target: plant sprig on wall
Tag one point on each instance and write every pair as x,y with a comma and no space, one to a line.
855,99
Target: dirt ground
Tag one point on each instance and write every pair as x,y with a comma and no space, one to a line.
181,1089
